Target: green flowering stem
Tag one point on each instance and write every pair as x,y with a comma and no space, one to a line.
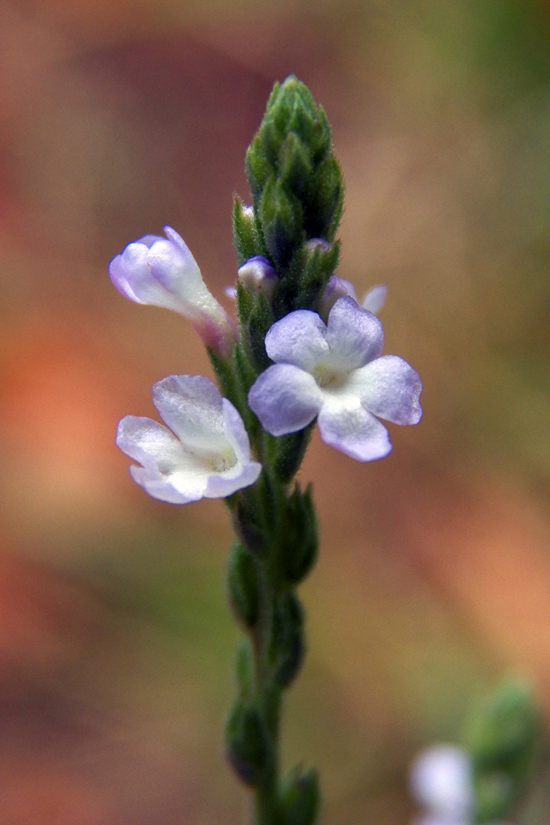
268,699
297,193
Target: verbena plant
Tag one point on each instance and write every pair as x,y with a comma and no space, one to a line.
303,350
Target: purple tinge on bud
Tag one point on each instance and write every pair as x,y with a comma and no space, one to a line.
257,275
317,243
247,211
335,288
162,272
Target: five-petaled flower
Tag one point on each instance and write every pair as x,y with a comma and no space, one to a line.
163,272
335,372
209,454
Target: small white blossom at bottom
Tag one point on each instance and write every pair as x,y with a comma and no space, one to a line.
334,372
207,454
441,780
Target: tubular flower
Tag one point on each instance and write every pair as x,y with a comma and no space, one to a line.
163,272
207,454
335,372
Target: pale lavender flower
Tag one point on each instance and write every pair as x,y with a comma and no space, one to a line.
163,272
339,287
441,781
335,372
207,454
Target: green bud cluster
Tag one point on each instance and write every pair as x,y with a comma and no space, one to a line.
501,739
297,192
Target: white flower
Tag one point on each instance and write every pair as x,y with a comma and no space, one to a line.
163,272
441,780
334,372
207,454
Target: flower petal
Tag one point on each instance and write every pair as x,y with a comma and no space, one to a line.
149,442
224,484
169,472
355,336
131,275
354,431
375,298
299,338
389,387
192,407
235,432
285,398
159,487
336,288
441,780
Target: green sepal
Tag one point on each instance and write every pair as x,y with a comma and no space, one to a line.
259,321
300,797
245,304
501,738
256,167
295,166
243,585
247,747
286,647
300,542
286,452
325,200
308,275
281,218
244,669
291,108
225,376
245,239
248,521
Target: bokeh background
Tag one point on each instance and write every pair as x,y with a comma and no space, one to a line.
118,116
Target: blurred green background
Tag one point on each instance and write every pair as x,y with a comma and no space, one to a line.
115,642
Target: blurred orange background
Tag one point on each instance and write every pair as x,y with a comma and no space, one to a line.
434,579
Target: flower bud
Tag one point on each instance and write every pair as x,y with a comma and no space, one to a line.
257,275
300,797
247,744
162,272
286,643
336,288
243,585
